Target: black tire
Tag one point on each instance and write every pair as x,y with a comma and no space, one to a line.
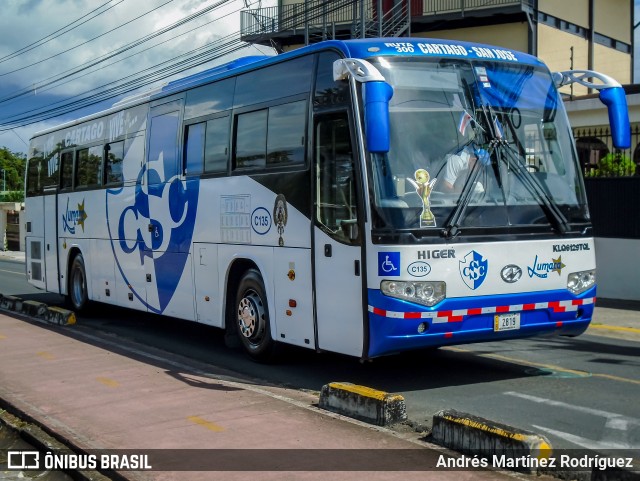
77,292
251,318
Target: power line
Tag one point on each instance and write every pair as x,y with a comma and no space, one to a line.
83,67
122,86
53,35
86,42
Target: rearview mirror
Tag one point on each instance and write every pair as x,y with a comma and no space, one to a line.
376,115
615,100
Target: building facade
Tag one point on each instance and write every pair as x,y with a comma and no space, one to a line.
579,34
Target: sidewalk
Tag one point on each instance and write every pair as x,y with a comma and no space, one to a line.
12,255
104,393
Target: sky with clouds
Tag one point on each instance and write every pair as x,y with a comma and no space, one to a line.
42,42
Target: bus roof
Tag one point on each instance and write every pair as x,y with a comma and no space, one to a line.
359,48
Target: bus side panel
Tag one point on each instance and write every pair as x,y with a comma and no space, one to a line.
209,302
35,262
102,268
50,243
292,282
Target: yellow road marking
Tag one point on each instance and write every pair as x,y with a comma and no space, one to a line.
2,336
614,328
205,424
548,366
108,382
46,355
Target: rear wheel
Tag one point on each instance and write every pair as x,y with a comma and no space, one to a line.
251,317
78,284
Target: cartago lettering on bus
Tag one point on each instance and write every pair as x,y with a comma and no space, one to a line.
437,254
571,247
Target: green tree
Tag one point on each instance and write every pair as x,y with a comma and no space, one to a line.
614,165
12,166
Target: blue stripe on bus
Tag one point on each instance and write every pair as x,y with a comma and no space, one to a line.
390,335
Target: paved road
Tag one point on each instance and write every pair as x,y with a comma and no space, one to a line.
580,392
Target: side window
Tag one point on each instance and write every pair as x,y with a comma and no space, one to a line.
163,144
329,92
66,170
285,141
194,148
35,172
251,140
113,156
89,163
336,200
217,145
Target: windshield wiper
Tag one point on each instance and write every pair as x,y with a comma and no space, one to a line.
452,229
551,209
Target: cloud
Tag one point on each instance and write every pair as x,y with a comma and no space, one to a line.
23,23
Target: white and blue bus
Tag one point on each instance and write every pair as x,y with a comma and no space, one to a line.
364,197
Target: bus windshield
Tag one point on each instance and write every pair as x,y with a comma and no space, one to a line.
477,145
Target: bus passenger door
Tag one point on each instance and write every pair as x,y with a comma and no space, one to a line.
337,239
172,204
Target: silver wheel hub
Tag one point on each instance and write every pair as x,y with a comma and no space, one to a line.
250,315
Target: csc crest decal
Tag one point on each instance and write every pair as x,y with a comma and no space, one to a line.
473,269
151,228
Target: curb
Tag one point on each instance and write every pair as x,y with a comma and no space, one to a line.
38,310
363,403
468,433
42,441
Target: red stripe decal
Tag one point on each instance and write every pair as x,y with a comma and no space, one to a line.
456,318
379,312
528,307
412,315
475,311
448,335
502,309
559,324
444,313
577,302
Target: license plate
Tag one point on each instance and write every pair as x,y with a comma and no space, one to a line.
506,322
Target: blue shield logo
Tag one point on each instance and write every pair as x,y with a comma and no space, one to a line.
473,270
151,226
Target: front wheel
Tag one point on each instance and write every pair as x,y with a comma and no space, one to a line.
78,284
251,317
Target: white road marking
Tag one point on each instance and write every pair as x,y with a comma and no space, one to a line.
615,434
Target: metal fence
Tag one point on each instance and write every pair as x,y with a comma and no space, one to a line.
316,13
439,7
599,158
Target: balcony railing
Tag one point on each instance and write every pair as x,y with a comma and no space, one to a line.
348,14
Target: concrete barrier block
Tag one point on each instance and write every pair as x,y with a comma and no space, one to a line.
62,317
11,303
34,309
363,403
472,434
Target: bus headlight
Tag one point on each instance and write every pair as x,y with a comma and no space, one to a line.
427,293
578,282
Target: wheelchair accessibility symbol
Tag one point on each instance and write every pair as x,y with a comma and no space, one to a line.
388,264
